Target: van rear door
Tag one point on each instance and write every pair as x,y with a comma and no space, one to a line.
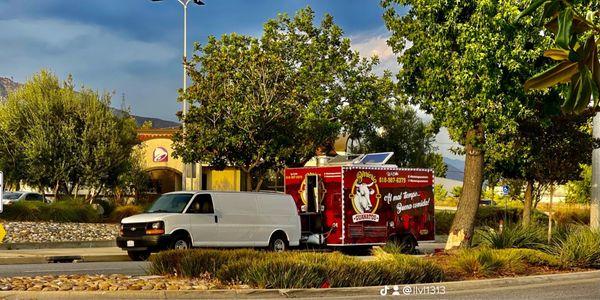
203,221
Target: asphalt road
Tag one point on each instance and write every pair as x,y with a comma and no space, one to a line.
579,289
106,268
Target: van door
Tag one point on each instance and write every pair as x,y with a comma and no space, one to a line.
237,219
203,221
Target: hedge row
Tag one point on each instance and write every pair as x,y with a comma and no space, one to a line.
294,269
65,211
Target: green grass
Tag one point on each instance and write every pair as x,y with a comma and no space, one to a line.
579,249
512,236
486,262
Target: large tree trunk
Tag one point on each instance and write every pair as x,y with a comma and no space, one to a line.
248,182
56,188
528,203
259,184
461,231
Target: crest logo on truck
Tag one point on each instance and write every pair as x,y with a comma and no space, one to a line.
365,197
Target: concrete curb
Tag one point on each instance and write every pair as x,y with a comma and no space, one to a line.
88,244
42,259
450,288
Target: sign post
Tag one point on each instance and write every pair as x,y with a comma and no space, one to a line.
505,192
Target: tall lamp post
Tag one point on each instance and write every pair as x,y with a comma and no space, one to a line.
185,3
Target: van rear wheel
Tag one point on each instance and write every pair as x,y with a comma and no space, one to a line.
278,243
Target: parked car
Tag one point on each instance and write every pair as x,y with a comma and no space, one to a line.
13,197
182,220
487,202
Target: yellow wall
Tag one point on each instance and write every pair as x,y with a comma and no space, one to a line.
148,149
225,180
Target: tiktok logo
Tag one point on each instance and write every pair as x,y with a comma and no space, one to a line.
395,288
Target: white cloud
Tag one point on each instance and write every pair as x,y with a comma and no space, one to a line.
375,44
372,44
95,56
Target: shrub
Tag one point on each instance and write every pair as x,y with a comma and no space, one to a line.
59,211
512,236
294,269
402,269
572,215
193,263
23,211
166,263
121,212
535,257
443,221
71,211
579,249
275,272
486,262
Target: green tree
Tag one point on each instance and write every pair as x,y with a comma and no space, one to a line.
271,102
60,138
579,191
463,62
547,149
400,130
574,27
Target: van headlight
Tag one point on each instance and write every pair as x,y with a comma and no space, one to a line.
157,225
155,228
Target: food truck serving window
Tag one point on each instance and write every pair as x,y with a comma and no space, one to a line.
313,193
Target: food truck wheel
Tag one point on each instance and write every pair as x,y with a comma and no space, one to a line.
138,255
408,244
278,243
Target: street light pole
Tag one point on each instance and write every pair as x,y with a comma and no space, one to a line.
185,3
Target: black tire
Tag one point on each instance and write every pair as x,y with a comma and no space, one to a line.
278,242
407,243
356,250
138,255
181,241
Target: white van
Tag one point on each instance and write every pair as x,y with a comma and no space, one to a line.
182,220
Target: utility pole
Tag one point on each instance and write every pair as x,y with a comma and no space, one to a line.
595,200
184,172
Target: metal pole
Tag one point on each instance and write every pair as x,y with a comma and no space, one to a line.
184,112
550,214
595,201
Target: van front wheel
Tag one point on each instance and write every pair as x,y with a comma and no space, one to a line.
181,242
278,243
138,255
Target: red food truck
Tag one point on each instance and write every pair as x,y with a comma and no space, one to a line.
362,202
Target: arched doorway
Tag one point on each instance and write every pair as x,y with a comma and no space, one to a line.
165,180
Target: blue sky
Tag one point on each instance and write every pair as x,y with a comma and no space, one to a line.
134,47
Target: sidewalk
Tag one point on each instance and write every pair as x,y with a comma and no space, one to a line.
37,256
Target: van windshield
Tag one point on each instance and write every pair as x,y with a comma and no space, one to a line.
170,203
